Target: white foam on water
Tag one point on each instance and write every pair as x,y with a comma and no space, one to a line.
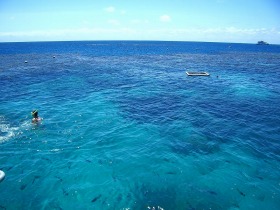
7,132
56,150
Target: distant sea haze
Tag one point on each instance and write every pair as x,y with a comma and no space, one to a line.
124,126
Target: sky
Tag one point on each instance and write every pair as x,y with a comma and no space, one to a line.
235,21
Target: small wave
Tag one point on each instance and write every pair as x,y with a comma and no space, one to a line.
7,132
26,125
56,150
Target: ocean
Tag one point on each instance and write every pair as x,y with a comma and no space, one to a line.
124,127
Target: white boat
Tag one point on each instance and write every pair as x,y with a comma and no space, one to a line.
197,73
2,175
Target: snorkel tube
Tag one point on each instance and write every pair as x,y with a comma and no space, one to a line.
34,113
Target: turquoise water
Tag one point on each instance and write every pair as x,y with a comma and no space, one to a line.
125,128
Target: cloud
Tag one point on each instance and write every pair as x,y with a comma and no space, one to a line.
123,12
165,18
227,30
114,22
139,21
110,9
229,34
67,34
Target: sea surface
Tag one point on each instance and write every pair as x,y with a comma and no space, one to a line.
124,127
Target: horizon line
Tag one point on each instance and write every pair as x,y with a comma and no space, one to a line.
124,40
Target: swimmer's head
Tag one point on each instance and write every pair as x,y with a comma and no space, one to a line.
34,113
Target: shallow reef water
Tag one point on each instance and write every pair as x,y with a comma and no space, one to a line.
124,127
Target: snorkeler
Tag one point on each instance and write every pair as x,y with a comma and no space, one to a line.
36,118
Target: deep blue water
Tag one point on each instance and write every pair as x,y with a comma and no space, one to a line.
125,128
